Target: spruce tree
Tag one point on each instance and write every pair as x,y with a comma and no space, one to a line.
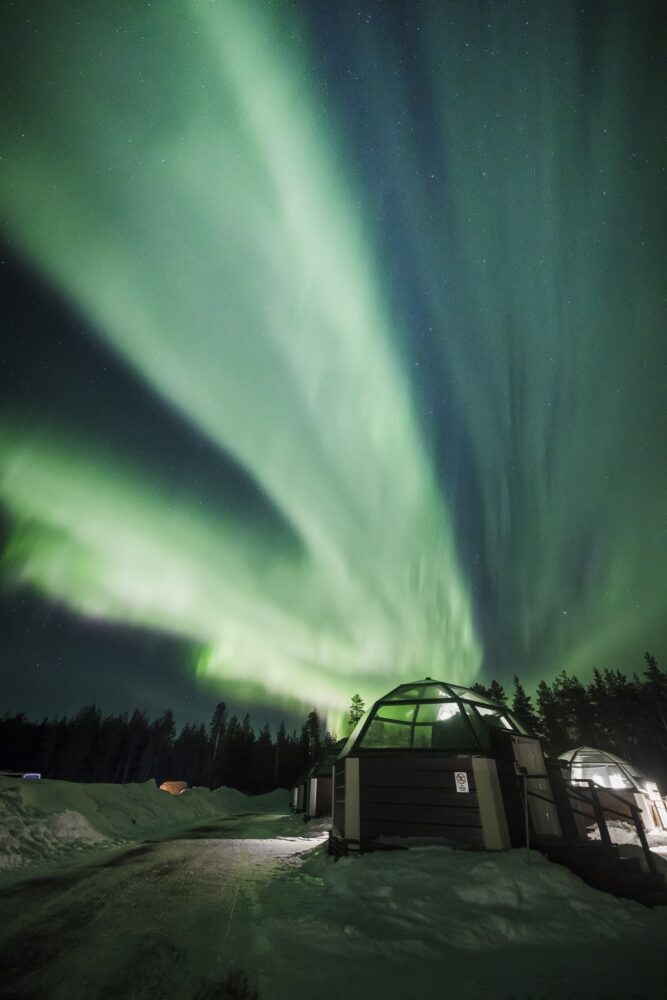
522,706
217,732
552,722
357,709
314,740
281,762
480,689
497,693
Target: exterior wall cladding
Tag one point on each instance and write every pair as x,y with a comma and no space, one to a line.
414,795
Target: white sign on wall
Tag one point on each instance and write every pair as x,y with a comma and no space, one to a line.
461,781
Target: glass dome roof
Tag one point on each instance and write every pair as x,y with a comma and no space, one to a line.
604,768
430,714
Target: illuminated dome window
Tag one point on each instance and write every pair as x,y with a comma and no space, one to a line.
431,715
605,769
420,691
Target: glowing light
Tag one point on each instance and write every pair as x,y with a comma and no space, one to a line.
201,216
234,276
447,712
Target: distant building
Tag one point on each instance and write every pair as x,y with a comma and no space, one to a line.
624,779
312,791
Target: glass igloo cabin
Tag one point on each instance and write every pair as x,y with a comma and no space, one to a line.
439,761
624,779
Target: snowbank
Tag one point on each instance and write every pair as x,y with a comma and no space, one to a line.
450,923
625,833
42,819
492,900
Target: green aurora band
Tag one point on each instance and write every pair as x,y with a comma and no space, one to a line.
219,253
177,177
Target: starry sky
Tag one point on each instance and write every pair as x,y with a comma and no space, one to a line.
333,348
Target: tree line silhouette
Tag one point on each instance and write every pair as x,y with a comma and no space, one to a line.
93,747
627,716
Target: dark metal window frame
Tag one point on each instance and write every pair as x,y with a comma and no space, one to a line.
377,708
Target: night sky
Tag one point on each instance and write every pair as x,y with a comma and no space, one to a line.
333,348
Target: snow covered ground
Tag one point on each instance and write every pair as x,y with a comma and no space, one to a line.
257,891
44,820
625,833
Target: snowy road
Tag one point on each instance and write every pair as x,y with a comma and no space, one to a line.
172,918
162,919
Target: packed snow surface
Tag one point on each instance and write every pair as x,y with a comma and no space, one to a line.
256,890
43,819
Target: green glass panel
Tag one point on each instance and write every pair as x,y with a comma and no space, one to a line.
481,699
494,717
386,735
396,713
452,734
405,693
515,723
419,692
423,738
439,712
480,730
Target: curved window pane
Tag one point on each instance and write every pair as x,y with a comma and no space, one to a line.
443,727
354,735
421,691
515,723
437,712
605,775
403,693
467,695
423,738
481,732
387,735
494,717
396,713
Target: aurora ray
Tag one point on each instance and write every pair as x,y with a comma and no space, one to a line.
266,329
407,274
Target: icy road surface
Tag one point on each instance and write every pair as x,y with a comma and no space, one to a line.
170,919
162,919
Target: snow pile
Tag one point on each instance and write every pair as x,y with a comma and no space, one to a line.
278,800
625,833
428,899
43,819
27,834
449,923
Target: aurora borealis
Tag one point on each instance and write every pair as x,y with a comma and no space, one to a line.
373,383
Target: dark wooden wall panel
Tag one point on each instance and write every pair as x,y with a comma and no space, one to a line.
323,797
413,760
418,795
414,795
408,779
420,814
457,834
